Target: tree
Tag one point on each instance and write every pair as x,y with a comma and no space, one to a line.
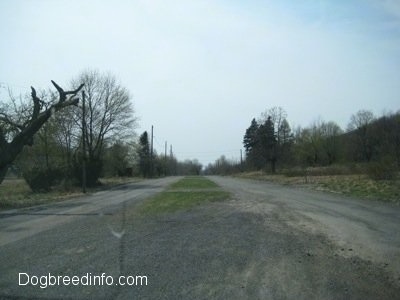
284,133
250,142
223,166
18,127
118,159
359,123
109,116
250,136
387,132
302,146
277,116
285,141
268,142
68,137
144,154
189,167
330,140
316,142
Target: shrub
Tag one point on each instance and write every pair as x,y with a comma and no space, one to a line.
385,169
41,180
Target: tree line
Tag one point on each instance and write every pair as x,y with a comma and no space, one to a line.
48,136
270,144
151,164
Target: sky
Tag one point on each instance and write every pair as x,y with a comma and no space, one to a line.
200,71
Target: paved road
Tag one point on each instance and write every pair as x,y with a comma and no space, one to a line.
266,242
22,223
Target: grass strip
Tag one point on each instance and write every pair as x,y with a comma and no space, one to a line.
193,182
179,196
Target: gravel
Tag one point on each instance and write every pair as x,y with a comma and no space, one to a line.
266,242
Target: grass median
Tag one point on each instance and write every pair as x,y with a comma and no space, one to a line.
184,194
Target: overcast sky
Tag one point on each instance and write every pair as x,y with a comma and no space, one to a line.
199,71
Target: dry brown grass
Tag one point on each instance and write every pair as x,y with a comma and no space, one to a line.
360,186
15,193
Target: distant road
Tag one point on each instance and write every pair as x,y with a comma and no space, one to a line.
267,242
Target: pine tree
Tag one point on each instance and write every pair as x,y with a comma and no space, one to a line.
251,145
144,154
250,138
268,143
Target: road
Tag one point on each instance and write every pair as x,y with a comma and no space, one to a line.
267,242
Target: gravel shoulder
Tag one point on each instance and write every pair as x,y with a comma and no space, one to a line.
266,242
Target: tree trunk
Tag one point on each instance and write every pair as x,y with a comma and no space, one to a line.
273,165
10,150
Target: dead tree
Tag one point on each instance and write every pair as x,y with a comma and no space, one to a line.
9,150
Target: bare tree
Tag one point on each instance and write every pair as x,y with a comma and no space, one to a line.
277,115
109,116
359,123
17,130
67,136
109,111
361,119
330,132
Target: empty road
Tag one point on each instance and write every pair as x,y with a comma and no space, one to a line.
267,242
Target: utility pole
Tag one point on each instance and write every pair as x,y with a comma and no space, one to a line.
151,153
83,143
241,160
172,163
165,158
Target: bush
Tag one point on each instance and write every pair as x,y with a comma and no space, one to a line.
385,169
41,180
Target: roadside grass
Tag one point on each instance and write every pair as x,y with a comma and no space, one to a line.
277,178
184,194
359,185
15,193
362,187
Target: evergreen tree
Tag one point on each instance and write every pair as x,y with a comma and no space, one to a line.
284,132
250,142
144,154
268,143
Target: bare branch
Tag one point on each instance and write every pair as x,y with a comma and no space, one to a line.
74,92
59,89
63,94
36,104
6,119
